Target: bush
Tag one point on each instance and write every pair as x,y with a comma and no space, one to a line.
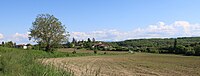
143,50
125,49
74,52
169,49
118,48
112,49
130,51
180,49
152,50
164,51
190,52
95,51
197,50
79,47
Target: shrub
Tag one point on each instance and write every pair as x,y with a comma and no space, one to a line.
130,51
74,52
143,50
112,49
95,51
118,48
164,51
152,50
125,49
180,49
190,52
79,47
197,50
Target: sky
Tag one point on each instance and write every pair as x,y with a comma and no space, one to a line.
104,20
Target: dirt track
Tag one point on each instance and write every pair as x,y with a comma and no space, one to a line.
127,65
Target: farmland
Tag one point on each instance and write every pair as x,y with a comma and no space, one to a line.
86,63
100,38
129,64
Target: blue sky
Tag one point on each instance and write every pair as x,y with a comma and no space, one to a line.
106,20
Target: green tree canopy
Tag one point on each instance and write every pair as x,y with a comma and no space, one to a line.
74,41
89,40
93,39
48,31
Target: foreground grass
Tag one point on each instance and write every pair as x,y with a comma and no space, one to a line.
146,64
18,62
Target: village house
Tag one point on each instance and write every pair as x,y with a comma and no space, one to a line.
101,45
23,46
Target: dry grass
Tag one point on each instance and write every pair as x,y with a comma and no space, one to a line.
142,64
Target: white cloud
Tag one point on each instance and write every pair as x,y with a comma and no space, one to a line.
1,36
185,25
158,30
105,35
18,35
19,38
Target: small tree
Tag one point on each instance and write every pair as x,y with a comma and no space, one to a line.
95,49
180,49
9,44
93,39
48,31
197,50
189,51
74,42
175,44
3,44
89,40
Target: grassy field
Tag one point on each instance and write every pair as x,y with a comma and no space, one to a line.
19,62
130,65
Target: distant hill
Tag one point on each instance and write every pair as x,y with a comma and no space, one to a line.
158,42
181,45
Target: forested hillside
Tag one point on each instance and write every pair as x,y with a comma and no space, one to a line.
183,45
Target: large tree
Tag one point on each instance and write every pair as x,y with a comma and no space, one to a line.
48,31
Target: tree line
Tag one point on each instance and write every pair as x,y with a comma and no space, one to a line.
182,45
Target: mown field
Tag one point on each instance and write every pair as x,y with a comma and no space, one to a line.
129,65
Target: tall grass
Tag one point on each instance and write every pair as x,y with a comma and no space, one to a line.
18,62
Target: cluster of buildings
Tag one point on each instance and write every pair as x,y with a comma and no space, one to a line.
14,45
